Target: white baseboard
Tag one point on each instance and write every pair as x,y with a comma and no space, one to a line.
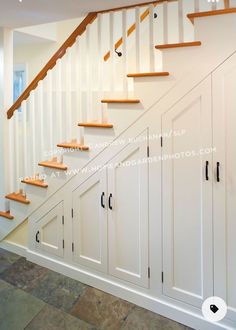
156,305
14,248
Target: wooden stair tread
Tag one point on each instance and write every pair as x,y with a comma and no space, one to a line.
130,101
148,74
34,182
6,215
54,165
211,13
17,197
180,44
73,145
99,125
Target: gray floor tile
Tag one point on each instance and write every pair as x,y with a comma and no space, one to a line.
51,318
7,259
17,309
58,290
101,309
142,319
23,274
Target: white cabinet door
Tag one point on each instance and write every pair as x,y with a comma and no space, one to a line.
224,110
187,198
49,232
90,222
128,213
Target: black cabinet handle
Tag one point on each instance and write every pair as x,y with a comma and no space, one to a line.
207,172
37,237
110,206
218,172
102,200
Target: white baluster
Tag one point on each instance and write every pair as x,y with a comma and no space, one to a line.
112,51
59,99
138,43
165,22
103,115
196,6
151,38
50,108
25,137
89,76
125,52
17,153
68,97
33,132
11,155
180,20
41,109
213,5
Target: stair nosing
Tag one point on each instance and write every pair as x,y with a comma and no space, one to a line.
47,164
179,45
21,201
75,146
6,215
32,183
192,16
148,74
134,101
95,125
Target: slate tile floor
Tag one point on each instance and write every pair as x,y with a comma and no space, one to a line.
35,298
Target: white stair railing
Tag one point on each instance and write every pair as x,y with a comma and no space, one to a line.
72,90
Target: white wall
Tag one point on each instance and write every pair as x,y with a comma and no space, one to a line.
36,55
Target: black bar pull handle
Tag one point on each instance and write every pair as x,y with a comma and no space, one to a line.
37,237
109,203
207,170
218,171
102,200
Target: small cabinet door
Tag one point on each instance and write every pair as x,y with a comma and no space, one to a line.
187,198
49,232
128,213
224,110
90,222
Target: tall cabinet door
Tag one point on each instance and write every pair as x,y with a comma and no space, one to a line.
90,222
128,213
224,109
187,198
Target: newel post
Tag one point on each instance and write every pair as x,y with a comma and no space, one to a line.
6,99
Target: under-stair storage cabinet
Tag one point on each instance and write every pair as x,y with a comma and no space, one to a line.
110,225
224,172
49,232
187,198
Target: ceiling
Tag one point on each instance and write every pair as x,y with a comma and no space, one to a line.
15,14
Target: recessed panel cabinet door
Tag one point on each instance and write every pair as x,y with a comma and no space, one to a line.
50,231
90,222
187,198
224,110
128,213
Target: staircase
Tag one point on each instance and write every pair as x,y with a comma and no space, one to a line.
117,66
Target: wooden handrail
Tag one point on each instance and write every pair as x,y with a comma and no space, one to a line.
52,62
133,27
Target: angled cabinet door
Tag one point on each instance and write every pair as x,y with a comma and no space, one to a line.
49,232
90,222
187,198
224,139
128,213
